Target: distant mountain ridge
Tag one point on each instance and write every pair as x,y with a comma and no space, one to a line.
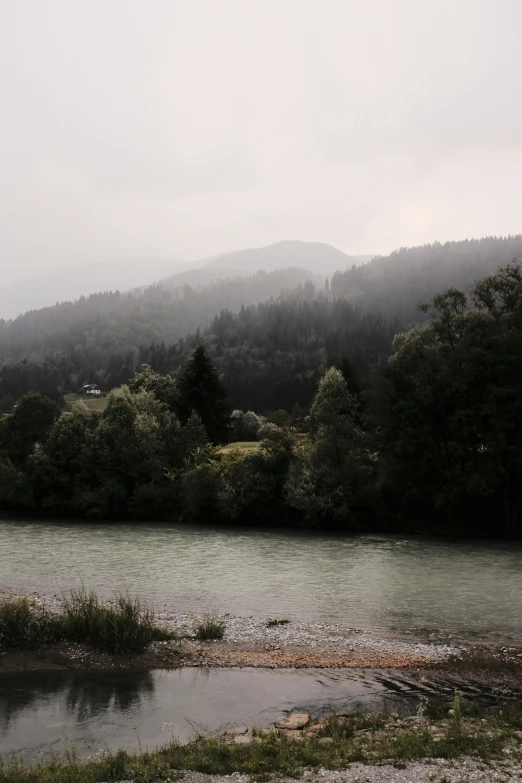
69,285
318,258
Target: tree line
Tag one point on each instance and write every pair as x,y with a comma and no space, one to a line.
433,447
269,355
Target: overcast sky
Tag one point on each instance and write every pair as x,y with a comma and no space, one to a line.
184,128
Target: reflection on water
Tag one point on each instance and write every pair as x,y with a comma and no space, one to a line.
372,582
40,713
99,696
82,699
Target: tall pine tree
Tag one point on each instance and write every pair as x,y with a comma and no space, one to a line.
201,390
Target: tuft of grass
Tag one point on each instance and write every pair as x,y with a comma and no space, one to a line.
276,621
123,626
209,628
25,624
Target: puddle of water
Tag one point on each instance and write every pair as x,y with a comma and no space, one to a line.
40,713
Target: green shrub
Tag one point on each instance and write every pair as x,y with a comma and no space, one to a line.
209,627
25,624
123,626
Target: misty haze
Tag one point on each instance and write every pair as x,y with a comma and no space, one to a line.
260,390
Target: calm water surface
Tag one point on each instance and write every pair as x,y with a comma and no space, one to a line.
42,713
369,582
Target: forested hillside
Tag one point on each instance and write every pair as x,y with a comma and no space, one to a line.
434,448
270,354
116,321
46,289
396,284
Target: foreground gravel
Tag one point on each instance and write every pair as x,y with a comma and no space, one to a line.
438,771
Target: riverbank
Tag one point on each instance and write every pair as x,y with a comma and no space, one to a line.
276,643
433,744
374,748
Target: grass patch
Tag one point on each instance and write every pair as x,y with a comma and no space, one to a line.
209,628
93,403
25,625
124,625
276,621
366,739
244,445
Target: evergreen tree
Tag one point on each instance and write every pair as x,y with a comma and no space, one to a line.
30,423
201,390
330,479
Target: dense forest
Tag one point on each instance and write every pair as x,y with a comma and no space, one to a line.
271,335
394,285
115,321
434,446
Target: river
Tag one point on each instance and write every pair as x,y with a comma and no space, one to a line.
371,582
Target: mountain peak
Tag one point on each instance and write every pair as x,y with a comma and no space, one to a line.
318,257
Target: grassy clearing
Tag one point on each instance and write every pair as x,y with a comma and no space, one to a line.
124,625
369,740
244,445
95,404
209,628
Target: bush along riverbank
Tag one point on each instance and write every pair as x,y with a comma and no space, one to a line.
122,626
442,740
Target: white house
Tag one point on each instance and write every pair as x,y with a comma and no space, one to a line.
91,388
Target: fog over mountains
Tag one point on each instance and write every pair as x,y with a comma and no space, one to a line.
316,256
70,284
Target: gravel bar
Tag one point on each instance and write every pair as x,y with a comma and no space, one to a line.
277,643
312,636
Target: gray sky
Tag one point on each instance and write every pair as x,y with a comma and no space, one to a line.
183,128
